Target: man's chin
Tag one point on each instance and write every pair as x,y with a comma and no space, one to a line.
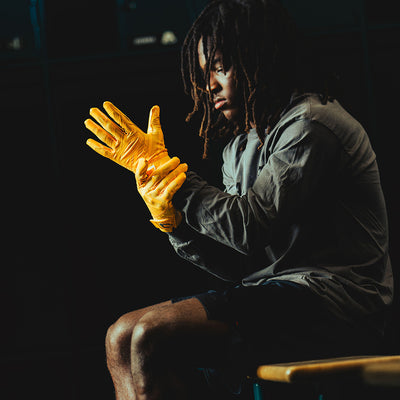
231,114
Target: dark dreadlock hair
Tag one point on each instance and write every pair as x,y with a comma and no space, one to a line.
257,38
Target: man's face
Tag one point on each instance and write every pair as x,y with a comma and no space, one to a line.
222,85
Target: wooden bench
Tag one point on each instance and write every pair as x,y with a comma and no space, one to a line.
383,371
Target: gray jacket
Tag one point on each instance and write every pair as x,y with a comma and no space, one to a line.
306,207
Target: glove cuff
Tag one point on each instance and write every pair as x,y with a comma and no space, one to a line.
168,224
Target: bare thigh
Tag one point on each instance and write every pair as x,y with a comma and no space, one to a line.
180,331
183,334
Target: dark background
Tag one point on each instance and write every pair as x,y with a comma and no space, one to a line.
79,250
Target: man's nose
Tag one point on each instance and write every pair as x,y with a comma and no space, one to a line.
213,85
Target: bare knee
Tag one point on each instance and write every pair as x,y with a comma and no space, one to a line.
147,336
118,338
119,334
148,356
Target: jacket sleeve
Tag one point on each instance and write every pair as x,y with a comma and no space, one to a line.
211,256
298,162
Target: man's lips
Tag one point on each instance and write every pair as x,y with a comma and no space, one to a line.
218,103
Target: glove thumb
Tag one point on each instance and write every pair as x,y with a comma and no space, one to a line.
154,125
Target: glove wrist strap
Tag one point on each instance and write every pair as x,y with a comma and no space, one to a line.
168,224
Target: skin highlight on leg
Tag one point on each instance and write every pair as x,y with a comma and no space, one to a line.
148,349
118,342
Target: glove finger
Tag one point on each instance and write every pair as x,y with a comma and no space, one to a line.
163,184
141,167
106,123
141,174
100,149
163,170
160,173
121,119
103,135
154,125
173,187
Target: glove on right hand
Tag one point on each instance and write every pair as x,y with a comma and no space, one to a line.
126,143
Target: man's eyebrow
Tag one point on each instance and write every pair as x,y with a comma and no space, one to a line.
216,60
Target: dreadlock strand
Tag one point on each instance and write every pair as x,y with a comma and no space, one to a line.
202,133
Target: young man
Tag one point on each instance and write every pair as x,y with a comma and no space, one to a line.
300,230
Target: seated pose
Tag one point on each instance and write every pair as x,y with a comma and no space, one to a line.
299,232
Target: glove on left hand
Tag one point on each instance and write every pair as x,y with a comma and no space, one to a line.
157,188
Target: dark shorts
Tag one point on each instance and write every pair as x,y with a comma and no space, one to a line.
281,321
278,321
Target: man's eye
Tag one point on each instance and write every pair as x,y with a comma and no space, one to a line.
220,70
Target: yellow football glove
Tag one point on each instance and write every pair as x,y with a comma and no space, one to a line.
157,188
125,142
